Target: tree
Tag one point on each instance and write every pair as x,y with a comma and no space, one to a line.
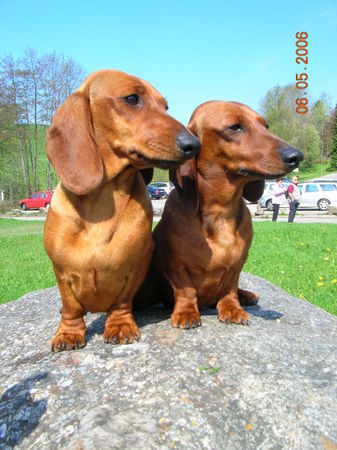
320,118
333,162
31,89
309,142
60,78
308,132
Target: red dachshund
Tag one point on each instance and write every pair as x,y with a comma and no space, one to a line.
203,238
103,143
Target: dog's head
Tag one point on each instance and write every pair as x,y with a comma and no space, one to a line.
113,121
236,140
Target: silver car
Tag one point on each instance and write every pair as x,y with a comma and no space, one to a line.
266,199
318,195
314,195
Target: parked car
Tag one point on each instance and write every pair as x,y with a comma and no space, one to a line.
40,199
167,186
266,200
318,195
156,192
314,195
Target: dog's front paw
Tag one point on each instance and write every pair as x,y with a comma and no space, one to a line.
121,333
67,341
186,319
229,314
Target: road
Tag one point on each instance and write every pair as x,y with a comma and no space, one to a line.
331,176
302,215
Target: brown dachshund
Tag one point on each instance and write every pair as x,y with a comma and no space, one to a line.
103,143
203,238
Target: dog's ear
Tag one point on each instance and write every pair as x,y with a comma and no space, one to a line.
185,180
71,146
253,190
147,174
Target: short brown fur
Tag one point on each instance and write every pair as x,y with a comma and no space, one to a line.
203,238
98,228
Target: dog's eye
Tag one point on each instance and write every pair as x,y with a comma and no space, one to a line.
236,128
132,99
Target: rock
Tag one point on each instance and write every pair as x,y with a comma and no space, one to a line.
270,385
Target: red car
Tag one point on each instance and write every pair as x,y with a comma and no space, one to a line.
40,199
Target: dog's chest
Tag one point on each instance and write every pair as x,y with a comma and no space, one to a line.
227,252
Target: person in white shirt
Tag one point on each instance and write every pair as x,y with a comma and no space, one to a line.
278,197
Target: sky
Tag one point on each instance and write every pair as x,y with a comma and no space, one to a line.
191,51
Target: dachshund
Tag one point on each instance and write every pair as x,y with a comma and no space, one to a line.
103,143
204,235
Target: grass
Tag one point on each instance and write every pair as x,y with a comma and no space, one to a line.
24,265
300,258
160,175
316,171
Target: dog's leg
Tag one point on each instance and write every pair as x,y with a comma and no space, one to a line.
230,310
186,312
120,327
247,298
71,332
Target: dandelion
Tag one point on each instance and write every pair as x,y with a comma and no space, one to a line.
320,278
334,281
328,249
301,296
319,284
326,258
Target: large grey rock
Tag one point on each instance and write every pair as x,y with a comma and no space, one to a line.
267,386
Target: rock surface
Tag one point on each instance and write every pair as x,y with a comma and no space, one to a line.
267,386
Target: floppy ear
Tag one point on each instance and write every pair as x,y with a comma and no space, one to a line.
147,174
253,190
185,180
71,146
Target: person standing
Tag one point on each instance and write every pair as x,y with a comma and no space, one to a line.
278,197
294,198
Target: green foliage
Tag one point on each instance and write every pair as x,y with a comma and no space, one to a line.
160,175
24,264
308,173
333,162
11,179
300,258
309,141
31,89
286,254
308,132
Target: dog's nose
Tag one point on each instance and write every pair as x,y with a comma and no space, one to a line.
291,157
188,144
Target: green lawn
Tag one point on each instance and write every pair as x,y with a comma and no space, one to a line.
24,265
316,171
300,258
